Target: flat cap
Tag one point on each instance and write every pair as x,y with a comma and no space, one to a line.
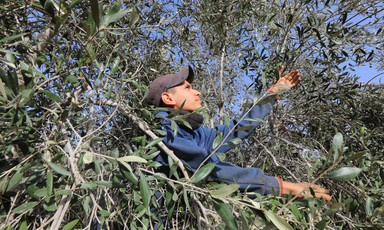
163,83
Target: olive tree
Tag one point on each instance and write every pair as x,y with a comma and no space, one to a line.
78,141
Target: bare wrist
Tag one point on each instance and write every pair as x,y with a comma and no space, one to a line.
288,187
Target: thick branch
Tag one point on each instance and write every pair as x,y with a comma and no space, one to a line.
42,42
221,105
145,128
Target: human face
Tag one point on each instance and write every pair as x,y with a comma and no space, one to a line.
185,92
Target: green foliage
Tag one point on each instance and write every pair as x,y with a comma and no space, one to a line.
202,173
278,221
345,173
226,214
74,141
225,191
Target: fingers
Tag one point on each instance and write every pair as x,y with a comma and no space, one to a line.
318,189
326,197
297,81
281,70
294,78
293,75
291,79
320,192
302,190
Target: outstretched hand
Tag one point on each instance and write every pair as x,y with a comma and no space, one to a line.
302,190
290,80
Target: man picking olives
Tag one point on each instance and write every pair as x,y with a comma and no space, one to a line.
193,143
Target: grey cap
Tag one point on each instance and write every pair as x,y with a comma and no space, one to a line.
163,83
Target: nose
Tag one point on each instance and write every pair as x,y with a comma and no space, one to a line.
197,93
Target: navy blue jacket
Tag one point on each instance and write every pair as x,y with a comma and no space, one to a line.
193,147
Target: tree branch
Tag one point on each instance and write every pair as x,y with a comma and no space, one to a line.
276,162
145,128
221,102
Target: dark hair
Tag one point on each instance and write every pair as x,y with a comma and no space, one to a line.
170,90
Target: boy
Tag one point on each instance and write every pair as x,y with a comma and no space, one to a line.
194,143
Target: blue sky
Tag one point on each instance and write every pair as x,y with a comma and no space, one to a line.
366,73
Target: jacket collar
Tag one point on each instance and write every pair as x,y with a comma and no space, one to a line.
195,120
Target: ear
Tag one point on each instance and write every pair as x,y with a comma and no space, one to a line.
167,99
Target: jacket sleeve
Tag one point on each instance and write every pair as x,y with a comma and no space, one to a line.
187,149
193,153
258,111
250,179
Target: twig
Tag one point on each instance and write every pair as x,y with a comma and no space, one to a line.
298,147
92,217
102,125
13,205
93,36
374,78
276,162
16,166
174,181
46,223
